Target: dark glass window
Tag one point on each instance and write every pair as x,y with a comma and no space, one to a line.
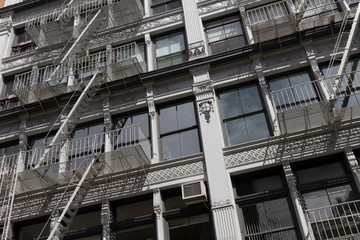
225,34
22,42
170,50
10,99
293,90
179,133
243,115
9,148
141,118
134,218
159,6
31,229
265,206
350,85
327,187
37,144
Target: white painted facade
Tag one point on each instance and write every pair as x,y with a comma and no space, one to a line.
262,156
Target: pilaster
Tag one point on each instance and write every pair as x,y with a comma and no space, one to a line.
298,203
265,92
108,124
147,8
161,225
154,119
106,220
23,143
246,24
226,224
194,30
150,52
6,33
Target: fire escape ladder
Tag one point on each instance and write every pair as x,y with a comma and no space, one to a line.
8,183
68,214
345,58
72,118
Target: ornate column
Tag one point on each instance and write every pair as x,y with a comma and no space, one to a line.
246,24
298,203
23,143
106,220
194,30
6,40
265,91
147,8
161,225
354,165
150,52
226,223
108,124
311,58
154,119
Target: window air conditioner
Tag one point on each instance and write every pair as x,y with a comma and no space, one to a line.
194,192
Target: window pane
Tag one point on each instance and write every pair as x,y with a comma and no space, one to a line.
233,29
259,184
162,47
143,120
146,232
230,104
79,133
216,34
250,99
173,5
236,131
96,129
257,126
168,119
132,210
341,194
194,227
164,62
177,58
177,43
171,146
190,142
33,231
186,115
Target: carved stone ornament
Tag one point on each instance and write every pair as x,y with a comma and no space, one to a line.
218,5
221,203
205,108
197,49
5,26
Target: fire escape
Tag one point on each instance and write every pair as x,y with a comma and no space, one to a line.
321,104
75,163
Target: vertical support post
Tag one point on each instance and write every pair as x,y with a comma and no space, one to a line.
302,219
154,119
354,165
265,91
226,223
22,143
6,38
108,124
150,52
161,225
106,220
246,24
147,8
194,30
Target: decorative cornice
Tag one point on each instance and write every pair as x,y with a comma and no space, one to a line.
196,49
221,203
6,26
218,5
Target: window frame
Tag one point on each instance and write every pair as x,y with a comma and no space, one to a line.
179,130
225,40
184,53
22,42
242,116
164,3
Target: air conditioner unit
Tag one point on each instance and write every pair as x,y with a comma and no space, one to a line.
194,192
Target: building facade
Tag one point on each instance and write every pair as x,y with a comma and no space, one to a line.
180,119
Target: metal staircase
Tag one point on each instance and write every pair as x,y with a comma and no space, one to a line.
64,220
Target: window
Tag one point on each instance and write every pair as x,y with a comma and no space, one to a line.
170,50
85,143
37,144
179,133
31,229
11,99
225,34
350,85
186,222
264,205
22,42
159,6
141,118
9,148
326,185
293,90
267,13
243,115
134,218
